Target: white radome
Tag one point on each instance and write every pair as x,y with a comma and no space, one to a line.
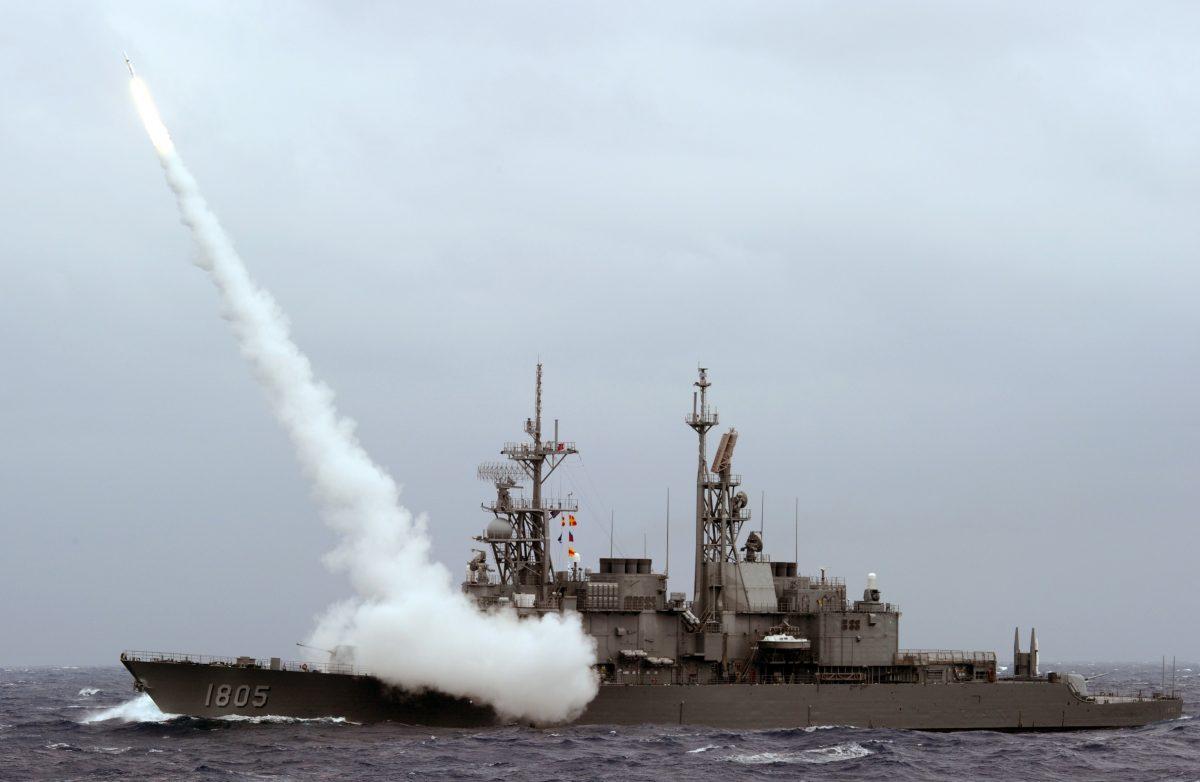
498,528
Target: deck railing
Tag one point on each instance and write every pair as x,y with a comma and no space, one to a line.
943,656
236,662
526,503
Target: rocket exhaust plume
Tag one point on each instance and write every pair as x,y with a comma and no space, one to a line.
408,623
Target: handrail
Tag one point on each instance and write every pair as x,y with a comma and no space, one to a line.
925,656
525,503
544,448
735,479
236,662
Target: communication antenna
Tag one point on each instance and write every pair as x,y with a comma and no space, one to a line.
762,512
796,530
612,526
667,569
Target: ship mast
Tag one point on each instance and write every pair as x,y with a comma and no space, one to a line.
522,553
534,466
701,420
720,509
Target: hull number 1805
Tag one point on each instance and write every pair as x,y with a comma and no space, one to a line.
243,695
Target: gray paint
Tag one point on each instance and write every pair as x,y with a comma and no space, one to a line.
839,662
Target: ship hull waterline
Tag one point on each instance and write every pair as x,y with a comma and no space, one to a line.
213,691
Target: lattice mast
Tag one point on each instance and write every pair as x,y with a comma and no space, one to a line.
721,510
522,553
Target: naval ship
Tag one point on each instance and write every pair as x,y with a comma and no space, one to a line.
758,646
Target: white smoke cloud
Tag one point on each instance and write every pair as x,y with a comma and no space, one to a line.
409,624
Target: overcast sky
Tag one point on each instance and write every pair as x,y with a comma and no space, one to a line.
939,258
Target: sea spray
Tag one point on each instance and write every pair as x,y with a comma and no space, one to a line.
139,709
408,624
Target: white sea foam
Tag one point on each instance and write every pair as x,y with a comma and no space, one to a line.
848,751
88,692
140,709
705,748
277,719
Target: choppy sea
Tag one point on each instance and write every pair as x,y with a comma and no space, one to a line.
87,723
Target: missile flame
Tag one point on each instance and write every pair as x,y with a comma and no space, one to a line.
148,111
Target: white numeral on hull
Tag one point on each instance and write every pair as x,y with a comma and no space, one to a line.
222,695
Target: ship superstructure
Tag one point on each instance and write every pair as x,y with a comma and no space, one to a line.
750,619
757,646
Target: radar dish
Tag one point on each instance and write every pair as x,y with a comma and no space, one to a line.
724,456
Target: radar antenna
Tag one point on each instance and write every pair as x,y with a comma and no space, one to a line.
499,473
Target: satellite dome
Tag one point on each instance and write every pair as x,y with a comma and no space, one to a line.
498,528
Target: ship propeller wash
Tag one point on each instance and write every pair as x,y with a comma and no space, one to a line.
757,646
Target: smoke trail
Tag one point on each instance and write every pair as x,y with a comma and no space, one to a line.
409,625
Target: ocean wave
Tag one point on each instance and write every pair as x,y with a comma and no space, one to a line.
838,752
272,719
62,745
88,692
705,748
140,709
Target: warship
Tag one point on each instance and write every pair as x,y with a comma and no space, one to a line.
758,645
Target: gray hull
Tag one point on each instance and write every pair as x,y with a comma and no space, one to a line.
1000,705
204,690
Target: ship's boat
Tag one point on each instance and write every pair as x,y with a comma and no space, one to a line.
758,645
782,642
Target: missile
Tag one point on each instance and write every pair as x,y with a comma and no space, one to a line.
129,64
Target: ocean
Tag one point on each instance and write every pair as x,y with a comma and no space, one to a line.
87,723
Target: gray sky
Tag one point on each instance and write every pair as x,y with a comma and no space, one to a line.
940,259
